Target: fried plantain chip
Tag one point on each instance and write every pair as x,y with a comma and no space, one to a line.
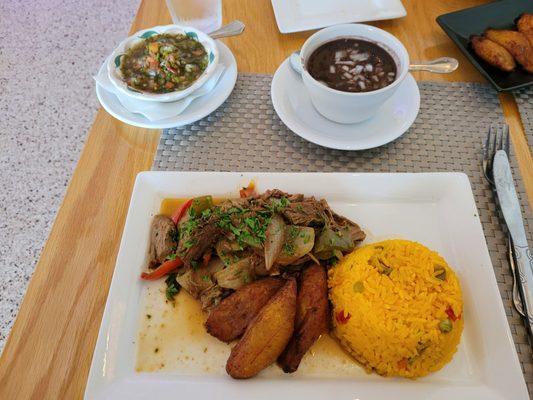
525,26
312,316
229,319
492,53
516,44
266,336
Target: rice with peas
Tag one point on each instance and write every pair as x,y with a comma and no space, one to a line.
397,308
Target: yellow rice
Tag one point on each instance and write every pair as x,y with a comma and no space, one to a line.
394,314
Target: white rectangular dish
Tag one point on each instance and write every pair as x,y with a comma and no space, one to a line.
435,209
302,15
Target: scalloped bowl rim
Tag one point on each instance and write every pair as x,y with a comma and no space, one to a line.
115,75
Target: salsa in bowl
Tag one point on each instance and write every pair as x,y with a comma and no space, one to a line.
164,63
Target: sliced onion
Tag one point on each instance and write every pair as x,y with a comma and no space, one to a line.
236,275
313,258
340,54
359,56
275,237
299,241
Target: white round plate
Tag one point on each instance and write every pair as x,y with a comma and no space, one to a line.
295,109
197,110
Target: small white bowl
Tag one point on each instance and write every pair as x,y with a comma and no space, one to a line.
352,107
115,74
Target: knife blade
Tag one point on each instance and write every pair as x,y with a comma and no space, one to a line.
505,188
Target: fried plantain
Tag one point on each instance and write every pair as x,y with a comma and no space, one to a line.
312,316
516,44
493,53
525,26
229,319
266,336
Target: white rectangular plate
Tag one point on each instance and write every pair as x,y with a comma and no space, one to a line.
435,209
302,15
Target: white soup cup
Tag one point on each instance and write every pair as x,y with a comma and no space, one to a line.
351,107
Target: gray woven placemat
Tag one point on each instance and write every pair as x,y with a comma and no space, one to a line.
524,99
245,134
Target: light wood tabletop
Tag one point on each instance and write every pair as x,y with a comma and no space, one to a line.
49,351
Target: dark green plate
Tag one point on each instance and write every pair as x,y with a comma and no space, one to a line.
460,25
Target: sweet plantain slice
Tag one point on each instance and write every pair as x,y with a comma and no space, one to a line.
525,26
229,319
266,336
312,316
492,53
516,44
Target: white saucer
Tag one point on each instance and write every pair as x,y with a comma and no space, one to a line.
295,109
198,109
296,16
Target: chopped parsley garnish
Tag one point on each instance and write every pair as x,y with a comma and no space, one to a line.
188,244
235,231
249,228
171,256
188,227
173,287
252,223
292,234
206,278
288,248
277,205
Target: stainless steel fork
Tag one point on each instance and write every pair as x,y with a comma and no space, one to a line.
498,139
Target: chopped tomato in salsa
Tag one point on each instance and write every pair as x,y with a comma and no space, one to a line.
164,63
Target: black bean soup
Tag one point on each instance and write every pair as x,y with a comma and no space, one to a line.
352,65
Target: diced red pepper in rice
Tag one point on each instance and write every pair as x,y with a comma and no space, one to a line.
342,318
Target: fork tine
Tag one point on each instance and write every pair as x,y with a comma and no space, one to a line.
506,140
494,142
486,148
498,140
492,149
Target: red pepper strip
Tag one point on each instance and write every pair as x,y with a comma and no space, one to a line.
341,318
162,270
180,212
451,314
206,258
248,191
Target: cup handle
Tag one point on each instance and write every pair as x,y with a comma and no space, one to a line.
296,62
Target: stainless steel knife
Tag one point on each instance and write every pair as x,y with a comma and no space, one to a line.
505,188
